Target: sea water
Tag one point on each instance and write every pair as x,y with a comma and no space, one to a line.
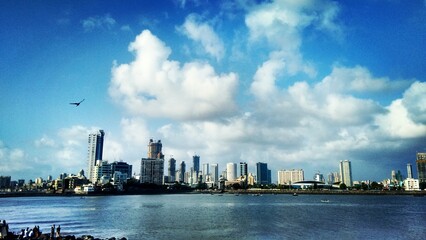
227,216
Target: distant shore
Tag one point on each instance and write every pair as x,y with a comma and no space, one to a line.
248,191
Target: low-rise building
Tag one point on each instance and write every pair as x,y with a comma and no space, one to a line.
411,184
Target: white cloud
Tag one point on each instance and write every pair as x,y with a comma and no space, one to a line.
350,110
281,24
358,79
203,33
12,159
98,22
396,123
158,87
406,117
135,132
414,101
263,85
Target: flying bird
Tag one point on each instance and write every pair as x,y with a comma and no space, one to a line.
77,103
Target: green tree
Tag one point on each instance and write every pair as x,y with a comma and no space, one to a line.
236,186
422,185
342,186
375,186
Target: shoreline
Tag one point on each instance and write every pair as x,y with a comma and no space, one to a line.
257,191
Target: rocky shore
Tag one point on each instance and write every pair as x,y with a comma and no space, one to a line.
35,233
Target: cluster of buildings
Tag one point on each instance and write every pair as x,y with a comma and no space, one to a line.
296,177
152,171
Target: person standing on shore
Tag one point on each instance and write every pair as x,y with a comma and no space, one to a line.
4,229
58,231
52,232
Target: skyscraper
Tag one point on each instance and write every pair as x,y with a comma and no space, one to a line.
171,170
152,168
231,171
214,173
346,172
182,170
421,167
154,149
262,173
95,151
409,170
243,169
196,162
206,171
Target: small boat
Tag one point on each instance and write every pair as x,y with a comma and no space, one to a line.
295,194
325,200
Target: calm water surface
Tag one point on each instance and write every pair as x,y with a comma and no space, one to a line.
203,216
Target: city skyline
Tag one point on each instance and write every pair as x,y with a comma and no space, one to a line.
153,169
294,84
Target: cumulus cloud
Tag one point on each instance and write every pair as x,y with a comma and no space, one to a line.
358,79
12,159
135,132
98,22
396,122
158,87
317,122
406,117
204,34
414,100
263,85
300,124
281,24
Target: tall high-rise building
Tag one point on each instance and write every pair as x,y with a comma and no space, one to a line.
196,162
409,170
263,174
231,171
182,170
346,172
155,149
95,151
243,169
171,170
214,172
421,167
206,171
287,177
152,168
394,176
196,169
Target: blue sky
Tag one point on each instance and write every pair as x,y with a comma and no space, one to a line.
296,84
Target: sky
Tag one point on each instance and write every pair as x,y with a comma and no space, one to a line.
296,84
